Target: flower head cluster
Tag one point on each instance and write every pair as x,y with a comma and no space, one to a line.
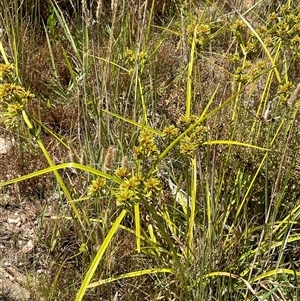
128,192
6,70
147,147
258,67
201,32
122,173
192,140
131,57
170,132
132,190
130,186
249,71
96,186
13,99
151,186
241,75
284,26
189,144
285,91
185,121
199,134
238,26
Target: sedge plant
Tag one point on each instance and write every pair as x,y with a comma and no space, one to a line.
205,199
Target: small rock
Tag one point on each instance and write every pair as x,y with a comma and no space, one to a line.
40,271
4,146
28,247
13,220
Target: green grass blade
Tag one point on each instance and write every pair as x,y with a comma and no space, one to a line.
62,166
137,227
264,47
60,17
132,122
90,273
192,205
189,75
3,53
237,143
274,273
131,275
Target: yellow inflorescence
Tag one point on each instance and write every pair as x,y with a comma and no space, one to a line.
13,98
96,186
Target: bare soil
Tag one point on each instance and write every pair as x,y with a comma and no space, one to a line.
18,228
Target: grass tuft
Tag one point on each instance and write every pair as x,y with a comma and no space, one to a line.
166,133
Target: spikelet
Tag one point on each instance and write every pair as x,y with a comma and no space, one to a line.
99,10
110,158
74,157
84,8
125,162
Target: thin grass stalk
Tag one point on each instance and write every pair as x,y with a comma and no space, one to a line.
185,51
62,166
138,68
50,52
264,96
68,64
83,101
144,108
131,275
296,278
3,53
192,206
231,200
56,278
282,195
180,270
61,142
294,215
264,247
190,74
15,50
208,211
284,243
51,164
235,105
109,52
66,29
91,271
273,63
253,263
252,183
288,133
275,273
134,123
149,26
137,222
262,103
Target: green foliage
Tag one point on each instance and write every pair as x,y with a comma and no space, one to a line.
183,140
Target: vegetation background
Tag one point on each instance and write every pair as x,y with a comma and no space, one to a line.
158,142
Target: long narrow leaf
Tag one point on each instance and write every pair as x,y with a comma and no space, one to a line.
131,275
137,227
62,166
90,273
230,142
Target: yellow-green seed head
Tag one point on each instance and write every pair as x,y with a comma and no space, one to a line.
96,186
170,131
122,172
